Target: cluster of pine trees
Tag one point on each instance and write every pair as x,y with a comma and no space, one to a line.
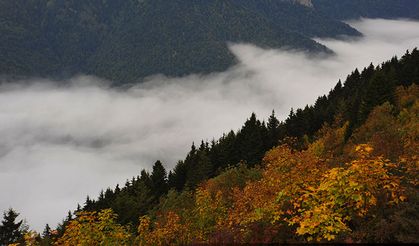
329,130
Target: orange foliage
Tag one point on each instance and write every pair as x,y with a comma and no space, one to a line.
344,193
273,199
305,195
165,232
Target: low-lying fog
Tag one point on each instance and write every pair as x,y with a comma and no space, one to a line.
59,144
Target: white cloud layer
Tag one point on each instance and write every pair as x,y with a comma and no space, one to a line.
59,144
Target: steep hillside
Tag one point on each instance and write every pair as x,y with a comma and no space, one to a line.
336,119
350,178
299,18
128,40
178,37
361,190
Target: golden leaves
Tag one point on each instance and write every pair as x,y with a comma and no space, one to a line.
169,230
313,192
343,193
92,228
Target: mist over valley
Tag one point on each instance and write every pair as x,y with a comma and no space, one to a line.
69,140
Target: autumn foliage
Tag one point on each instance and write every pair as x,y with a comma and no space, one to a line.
91,228
304,196
334,190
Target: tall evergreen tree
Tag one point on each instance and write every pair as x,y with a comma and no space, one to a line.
379,90
145,178
158,180
10,229
273,130
46,239
202,166
177,177
47,231
251,140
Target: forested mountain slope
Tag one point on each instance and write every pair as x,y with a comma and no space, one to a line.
330,129
299,18
127,40
342,170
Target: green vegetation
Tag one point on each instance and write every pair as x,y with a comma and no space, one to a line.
125,41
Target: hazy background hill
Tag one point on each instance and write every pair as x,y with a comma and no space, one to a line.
125,41
351,9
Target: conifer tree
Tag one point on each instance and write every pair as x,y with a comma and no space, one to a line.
10,231
46,236
177,177
251,140
47,231
158,180
273,130
145,178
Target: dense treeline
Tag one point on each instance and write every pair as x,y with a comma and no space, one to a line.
350,102
360,190
328,130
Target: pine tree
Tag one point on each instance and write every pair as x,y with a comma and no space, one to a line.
251,141
117,189
10,231
47,231
158,180
78,209
379,90
273,130
145,178
88,204
177,177
202,168
46,236
69,216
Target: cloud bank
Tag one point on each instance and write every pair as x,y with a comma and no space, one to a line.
61,143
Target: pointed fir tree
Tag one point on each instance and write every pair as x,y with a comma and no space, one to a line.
177,177
158,180
273,130
10,229
251,141
47,231
46,239
145,178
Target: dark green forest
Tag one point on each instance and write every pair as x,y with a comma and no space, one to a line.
125,41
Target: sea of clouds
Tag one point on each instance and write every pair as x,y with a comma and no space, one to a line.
59,144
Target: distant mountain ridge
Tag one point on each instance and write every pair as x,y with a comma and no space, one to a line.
352,9
125,41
